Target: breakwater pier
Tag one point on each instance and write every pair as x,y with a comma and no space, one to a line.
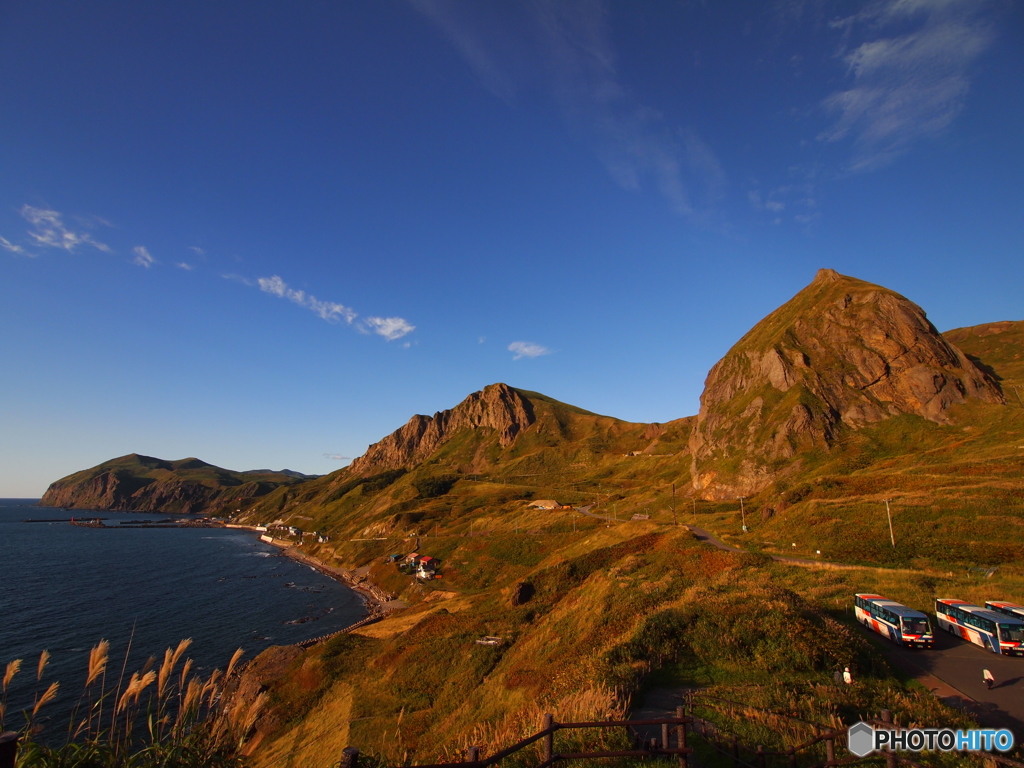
59,519
97,522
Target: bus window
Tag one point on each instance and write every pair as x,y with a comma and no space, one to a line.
1011,633
916,626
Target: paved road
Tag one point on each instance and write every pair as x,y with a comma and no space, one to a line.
952,670
959,664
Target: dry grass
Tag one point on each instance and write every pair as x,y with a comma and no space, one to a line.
188,721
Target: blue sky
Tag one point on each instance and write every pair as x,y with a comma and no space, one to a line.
266,234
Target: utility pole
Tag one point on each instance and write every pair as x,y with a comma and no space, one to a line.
888,513
743,515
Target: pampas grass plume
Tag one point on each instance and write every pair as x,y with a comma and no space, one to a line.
185,670
50,695
97,661
234,660
44,659
11,671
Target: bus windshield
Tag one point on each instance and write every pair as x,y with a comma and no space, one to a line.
916,627
1011,633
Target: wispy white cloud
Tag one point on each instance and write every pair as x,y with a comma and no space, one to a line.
196,249
337,457
92,222
7,245
527,349
774,201
909,86
390,328
143,258
327,310
464,33
567,46
238,279
48,231
184,265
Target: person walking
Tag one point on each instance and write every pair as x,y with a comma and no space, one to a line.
988,678
847,677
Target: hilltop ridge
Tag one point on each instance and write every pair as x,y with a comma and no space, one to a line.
497,406
137,483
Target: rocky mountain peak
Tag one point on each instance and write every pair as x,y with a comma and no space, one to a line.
825,275
842,353
498,407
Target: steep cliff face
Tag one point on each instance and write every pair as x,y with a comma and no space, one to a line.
842,353
137,483
497,407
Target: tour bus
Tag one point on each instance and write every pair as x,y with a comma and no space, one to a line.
989,629
1010,609
902,625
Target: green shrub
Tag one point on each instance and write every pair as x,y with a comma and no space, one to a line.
431,487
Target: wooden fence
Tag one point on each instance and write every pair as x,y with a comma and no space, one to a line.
655,747
818,751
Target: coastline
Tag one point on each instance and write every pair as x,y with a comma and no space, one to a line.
374,598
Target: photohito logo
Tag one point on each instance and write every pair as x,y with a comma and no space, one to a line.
862,739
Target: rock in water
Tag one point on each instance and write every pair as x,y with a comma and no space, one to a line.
842,353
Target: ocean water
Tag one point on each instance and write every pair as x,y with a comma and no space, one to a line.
64,587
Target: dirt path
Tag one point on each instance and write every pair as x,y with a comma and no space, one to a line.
709,538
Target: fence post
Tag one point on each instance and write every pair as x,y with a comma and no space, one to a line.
890,756
8,749
549,739
472,754
664,736
792,757
681,735
350,757
830,751
760,756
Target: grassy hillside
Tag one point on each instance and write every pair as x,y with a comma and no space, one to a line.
567,454
616,605
613,609
999,347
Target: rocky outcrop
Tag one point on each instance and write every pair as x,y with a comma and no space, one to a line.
497,407
137,483
843,353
